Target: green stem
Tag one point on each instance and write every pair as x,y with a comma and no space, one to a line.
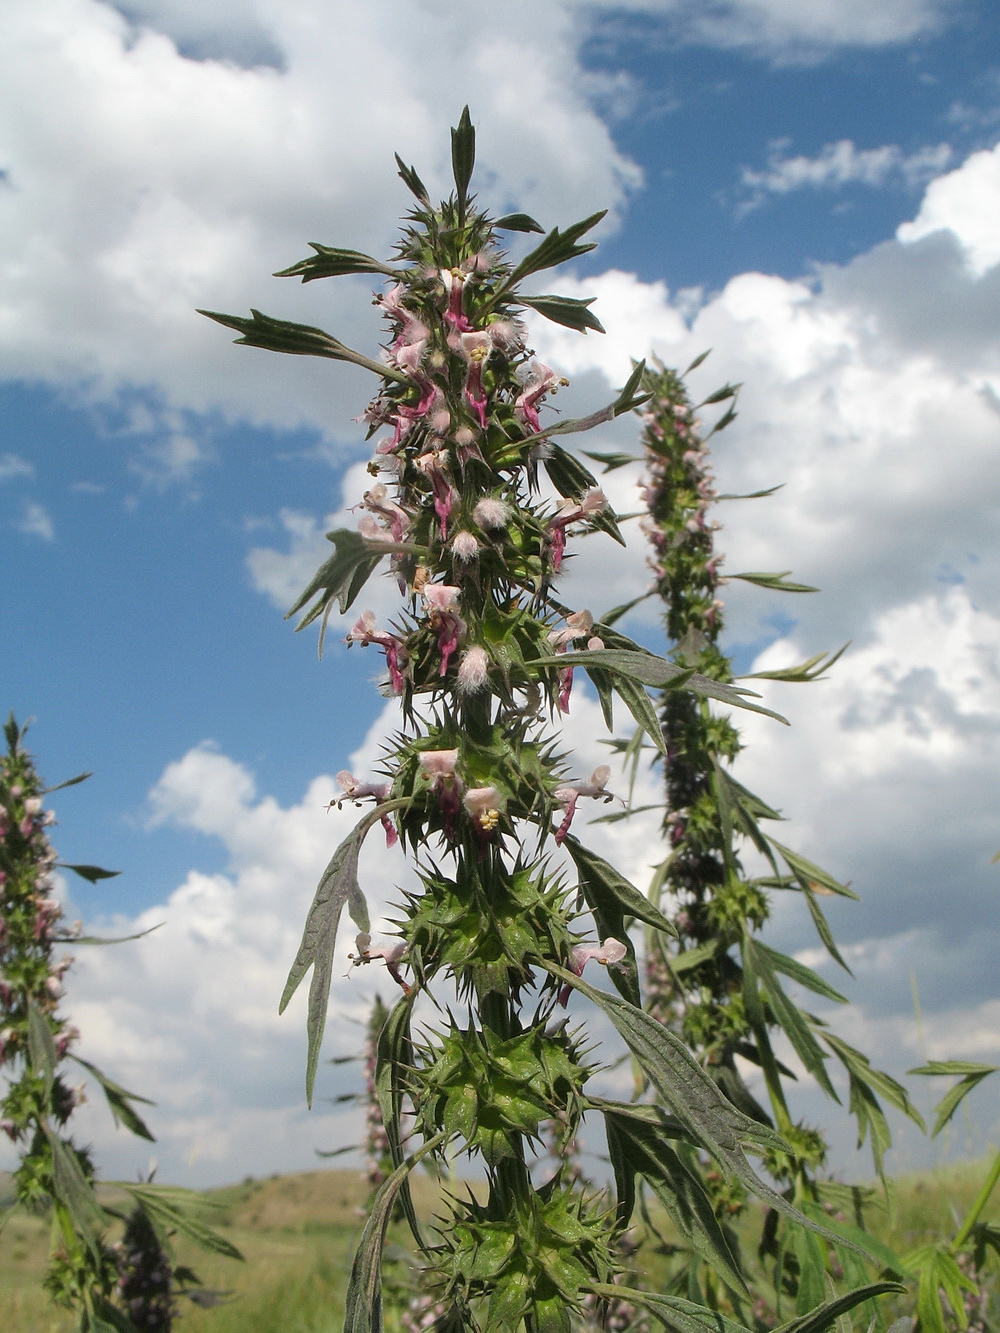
981,1199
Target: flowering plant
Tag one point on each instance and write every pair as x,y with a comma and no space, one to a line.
129,1287
481,654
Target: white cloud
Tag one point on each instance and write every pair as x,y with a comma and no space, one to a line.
147,183
964,203
36,521
838,164
12,465
791,29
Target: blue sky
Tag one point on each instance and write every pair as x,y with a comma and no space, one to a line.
809,189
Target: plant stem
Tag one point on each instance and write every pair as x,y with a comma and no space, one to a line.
979,1203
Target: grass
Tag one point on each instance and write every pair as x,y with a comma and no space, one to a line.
298,1234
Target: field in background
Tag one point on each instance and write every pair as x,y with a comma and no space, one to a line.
299,1232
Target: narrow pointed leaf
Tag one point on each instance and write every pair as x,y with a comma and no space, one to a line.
70,782
753,495
645,1150
612,461
617,896
703,356
971,1076
568,311
120,1101
811,876
616,613
463,156
339,579
90,873
393,1059
412,181
174,1208
657,673
790,1017
76,1193
776,582
556,248
797,971
713,1122
519,222
674,1312
814,669
824,1316
41,1046
720,395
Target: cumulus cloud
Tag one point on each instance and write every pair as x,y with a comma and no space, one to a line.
961,204
836,165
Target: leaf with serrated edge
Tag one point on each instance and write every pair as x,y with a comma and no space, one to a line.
176,1209
628,898
76,1193
680,1192
337,886
120,1101
711,1119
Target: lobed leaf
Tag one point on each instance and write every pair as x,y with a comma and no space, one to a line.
813,669
177,1209
557,247
76,1193
329,262
971,1076
412,181
338,886
339,579
282,335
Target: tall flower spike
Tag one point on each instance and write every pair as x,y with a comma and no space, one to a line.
491,919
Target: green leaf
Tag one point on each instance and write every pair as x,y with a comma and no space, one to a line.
811,877
971,1076
363,1304
753,495
338,885
176,1209
805,976
106,1318
639,704
568,311
823,928
568,475
463,157
107,939
76,1193
776,582
41,1047
412,181
814,669
657,673
519,222
888,1087
790,1017
70,782
329,262
642,1148
339,579
713,1122
612,462
613,616
824,1316
91,873
393,1060
119,1100
726,420
703,356
281,335
674,1312
557,248
938,1271
720,395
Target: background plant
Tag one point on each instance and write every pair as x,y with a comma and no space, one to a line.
717,984
130,1286
479,655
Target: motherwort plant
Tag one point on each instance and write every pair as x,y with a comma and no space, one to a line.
130,1286
716,984
480,655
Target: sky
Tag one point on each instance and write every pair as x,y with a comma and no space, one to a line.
807,188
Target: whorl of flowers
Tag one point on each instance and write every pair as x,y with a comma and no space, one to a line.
480,654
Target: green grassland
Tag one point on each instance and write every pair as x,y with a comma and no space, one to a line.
298,1234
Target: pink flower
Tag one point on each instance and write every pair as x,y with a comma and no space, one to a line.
473,670
434,466
396,657
610,952
476,348
441,600
391,953
483,804
357,791
377,502
591,502
569,795
538,380
454,286
439,766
